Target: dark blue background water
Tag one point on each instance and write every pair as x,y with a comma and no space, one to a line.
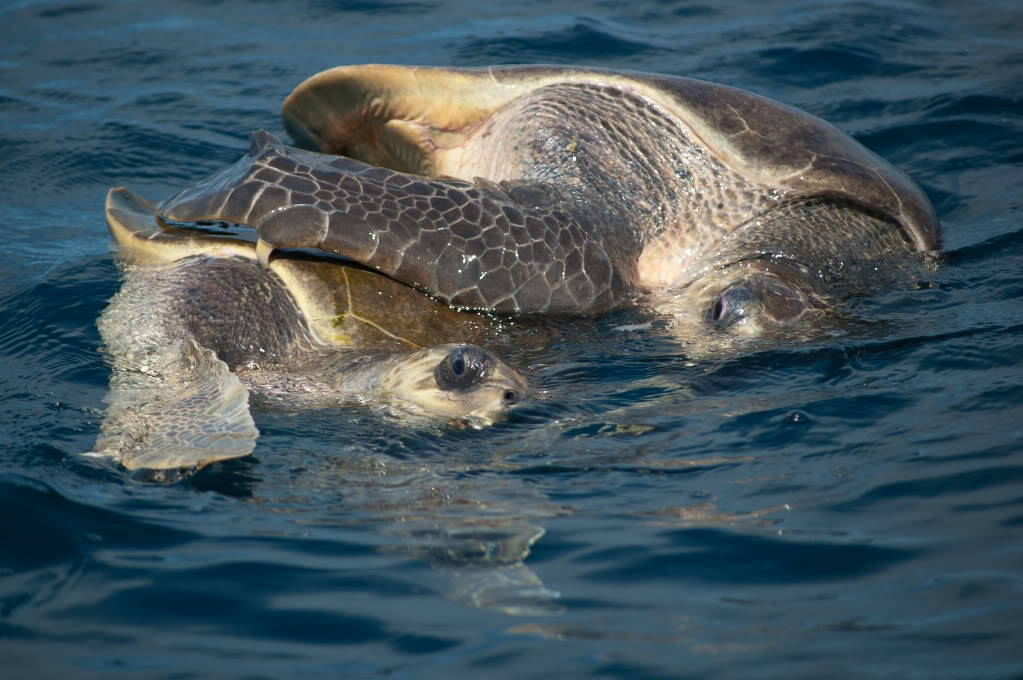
844,508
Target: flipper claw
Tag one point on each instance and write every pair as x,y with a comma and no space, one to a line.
263,251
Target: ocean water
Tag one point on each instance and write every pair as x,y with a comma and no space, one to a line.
850,506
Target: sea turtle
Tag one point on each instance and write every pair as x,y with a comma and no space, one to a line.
568,189
199,323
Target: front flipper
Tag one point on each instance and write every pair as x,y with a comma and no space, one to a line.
188,413
486,562
495,576
516,246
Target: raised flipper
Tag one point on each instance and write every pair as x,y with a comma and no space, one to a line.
186,411
513,247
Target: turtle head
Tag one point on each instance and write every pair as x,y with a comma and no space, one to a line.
457,380
753,298
758,303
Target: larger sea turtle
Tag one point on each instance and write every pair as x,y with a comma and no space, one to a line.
567,189
198,324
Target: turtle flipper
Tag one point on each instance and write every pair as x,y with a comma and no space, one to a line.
510,588
498,579
485,559
517,246
400,117
176,416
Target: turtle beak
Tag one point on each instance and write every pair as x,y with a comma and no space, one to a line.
509,389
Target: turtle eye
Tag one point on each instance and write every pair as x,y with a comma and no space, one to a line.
767,299
463,368
719,309
457,362
732,305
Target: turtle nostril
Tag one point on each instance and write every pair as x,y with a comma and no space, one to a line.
510,397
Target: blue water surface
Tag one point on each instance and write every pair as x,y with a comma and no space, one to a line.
849,506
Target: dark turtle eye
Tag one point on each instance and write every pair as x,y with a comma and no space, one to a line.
463,368
719,309
732,305
457,362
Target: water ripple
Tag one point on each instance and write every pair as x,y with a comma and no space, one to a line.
717,556
584,40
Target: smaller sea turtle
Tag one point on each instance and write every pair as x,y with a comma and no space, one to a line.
199,323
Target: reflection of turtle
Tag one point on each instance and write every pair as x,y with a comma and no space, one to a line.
198,323
545,188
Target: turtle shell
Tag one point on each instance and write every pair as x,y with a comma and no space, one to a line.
412,119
